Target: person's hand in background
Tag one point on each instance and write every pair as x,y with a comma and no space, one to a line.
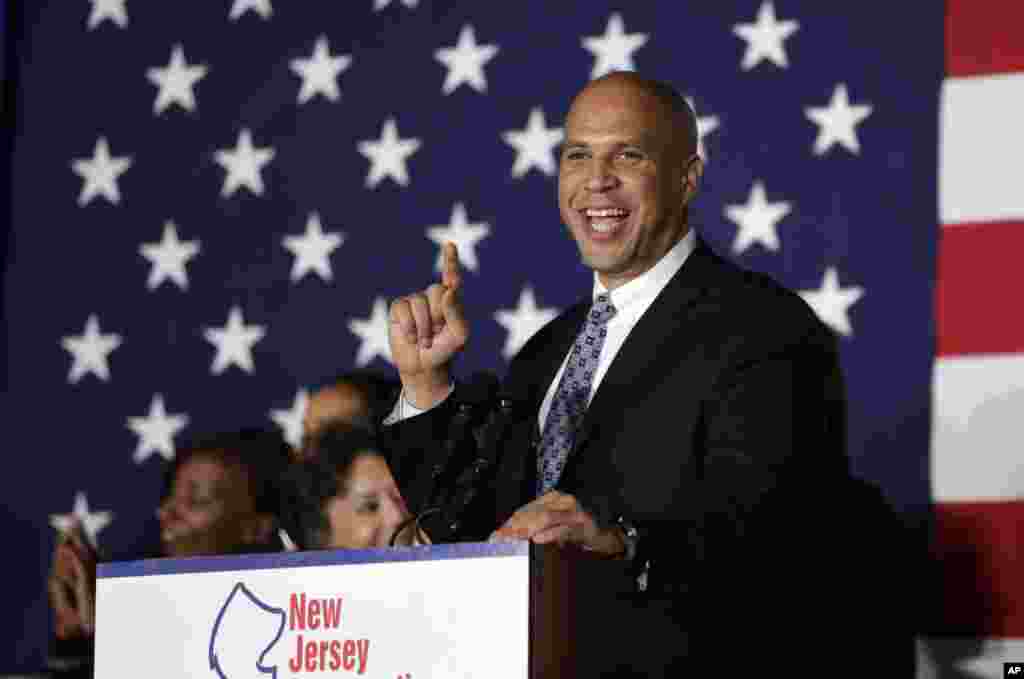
72,585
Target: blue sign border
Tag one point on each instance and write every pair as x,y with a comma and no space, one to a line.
253,562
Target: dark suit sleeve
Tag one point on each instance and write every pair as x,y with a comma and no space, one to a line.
770,440
769,417
777,521
415,445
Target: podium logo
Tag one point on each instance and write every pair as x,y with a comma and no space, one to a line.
1013,669
243,634
247,628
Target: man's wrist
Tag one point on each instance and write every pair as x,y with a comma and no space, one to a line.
423,393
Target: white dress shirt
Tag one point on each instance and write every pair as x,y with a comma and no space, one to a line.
630,299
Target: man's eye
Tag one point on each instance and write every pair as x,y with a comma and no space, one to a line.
574,155
631,154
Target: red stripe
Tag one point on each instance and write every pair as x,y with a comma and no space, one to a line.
979,290
984,36
980,550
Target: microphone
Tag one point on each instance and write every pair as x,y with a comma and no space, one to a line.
472,479
472,397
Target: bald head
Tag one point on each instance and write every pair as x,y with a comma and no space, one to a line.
339,402
677,116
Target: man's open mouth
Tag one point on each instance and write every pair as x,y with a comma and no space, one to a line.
605,220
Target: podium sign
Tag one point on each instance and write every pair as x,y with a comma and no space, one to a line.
459,610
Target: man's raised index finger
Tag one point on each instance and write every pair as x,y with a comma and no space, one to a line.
451,271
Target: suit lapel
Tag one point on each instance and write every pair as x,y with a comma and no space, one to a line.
641,347
553,344
639,350
556,350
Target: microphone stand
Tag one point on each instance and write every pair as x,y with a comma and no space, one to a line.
451,513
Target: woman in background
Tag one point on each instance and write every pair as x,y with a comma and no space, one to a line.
343,495
220,497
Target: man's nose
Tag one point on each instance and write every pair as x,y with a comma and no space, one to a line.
600,177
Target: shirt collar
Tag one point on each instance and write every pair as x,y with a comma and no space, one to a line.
645,287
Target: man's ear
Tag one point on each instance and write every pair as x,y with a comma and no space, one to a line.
691,177
258,528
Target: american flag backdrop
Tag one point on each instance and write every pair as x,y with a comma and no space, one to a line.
211,202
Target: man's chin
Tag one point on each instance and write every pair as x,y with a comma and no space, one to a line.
604,263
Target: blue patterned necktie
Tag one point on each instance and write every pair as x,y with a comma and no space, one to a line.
570,401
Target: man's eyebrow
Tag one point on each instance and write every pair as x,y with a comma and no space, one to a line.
645,141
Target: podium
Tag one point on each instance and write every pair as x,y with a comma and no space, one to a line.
457,610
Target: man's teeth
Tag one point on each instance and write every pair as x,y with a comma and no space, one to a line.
609,218
607,212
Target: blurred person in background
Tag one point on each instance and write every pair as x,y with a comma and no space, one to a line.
220,497
342,495
359,398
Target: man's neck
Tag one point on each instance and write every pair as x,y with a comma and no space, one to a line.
612,281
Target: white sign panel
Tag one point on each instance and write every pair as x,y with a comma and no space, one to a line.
407,613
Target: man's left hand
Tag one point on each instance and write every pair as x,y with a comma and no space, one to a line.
559,518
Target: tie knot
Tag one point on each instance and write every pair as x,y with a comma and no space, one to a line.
602,310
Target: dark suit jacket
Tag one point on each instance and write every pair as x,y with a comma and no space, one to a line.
718,431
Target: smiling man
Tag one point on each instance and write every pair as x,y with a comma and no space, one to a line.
629,168
684,422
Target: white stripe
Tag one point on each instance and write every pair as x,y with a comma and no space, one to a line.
978,428
966,657
981,149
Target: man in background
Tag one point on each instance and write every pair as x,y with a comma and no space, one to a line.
357,398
